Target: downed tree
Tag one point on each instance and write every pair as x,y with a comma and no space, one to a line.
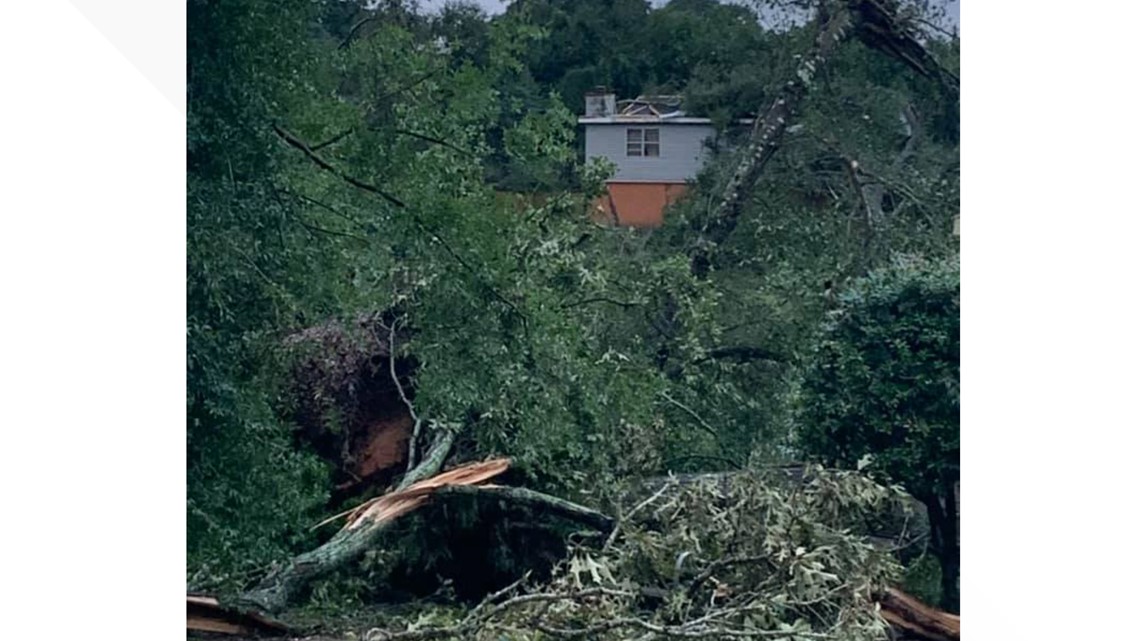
736,557
747,554
365,524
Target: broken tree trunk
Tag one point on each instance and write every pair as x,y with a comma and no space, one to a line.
881,26
834,26
916,619
367,523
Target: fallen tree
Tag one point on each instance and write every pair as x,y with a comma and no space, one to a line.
365,524
736,555
740,556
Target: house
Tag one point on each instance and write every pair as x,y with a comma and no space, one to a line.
656,147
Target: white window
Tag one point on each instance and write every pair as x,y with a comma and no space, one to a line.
643,142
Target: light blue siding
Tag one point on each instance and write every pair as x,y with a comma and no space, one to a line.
683,151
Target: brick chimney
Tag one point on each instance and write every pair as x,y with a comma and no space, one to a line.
600,102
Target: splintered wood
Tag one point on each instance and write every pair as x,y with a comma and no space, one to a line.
390,506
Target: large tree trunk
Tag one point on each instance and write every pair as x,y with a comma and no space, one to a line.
914,619
834,21
282,586
367,523
944,541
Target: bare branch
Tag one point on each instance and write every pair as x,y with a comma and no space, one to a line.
600,299
688,410
403,397
327,166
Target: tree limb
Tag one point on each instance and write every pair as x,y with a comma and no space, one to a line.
335,139
432,139
744,354
355,28
691,412
530,498
834,25
881,27
403,397
329,167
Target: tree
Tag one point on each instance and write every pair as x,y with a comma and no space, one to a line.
331,178
881,391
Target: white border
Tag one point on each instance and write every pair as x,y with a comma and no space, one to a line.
92,317
92,323
1048,343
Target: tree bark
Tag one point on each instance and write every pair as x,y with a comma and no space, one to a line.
916,619
834,25
367,523
283,585
944,542
881,27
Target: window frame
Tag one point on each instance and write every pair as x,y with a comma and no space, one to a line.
641,141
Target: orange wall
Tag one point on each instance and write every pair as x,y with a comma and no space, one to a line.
637,204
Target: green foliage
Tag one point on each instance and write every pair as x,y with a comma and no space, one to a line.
587,354
710,558
881,388
249,494
922,578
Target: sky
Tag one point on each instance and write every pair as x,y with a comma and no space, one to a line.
497,6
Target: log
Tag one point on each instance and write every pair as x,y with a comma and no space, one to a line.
206,614
917,620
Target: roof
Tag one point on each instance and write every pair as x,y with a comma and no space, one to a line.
625,120
664,109
647,109
651,106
